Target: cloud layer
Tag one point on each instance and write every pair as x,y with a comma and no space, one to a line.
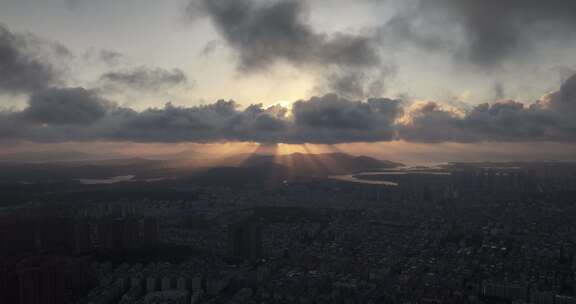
263,33
552,118
77,114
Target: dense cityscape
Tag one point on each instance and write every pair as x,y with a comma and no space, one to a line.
462,233
287,151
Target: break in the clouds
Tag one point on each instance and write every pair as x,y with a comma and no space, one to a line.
486,33
145,78
24,66
264,33
76,114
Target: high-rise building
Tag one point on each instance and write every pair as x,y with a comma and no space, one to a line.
126,233
42,281
8,281
17,237
245,240
149,231
53,234
81,236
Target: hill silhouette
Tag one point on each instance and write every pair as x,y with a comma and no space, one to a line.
274,169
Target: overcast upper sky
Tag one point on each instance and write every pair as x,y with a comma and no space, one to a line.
292,71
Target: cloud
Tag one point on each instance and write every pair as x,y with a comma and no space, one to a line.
429,122
75,106
486,33
500,29
565,100
263,33
145,78
549,119
77,114
327,119
357,83
109,57
22,67
499,91
331,119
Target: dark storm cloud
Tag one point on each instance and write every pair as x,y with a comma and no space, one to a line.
333,112
22,69
493,31
331,119
263,33
65,106
145,78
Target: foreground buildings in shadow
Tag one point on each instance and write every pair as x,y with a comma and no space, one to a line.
459,234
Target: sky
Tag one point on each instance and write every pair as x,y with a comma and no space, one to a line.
416,74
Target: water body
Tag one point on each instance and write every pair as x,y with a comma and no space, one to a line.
117,179
353,178
364,177
103,181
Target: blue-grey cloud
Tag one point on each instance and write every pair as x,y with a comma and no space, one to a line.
263,33
22,68
75,106
145,78
76,114
109,57
549,119
486,33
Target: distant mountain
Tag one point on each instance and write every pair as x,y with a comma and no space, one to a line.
302,164
51,156
237,170
184,155
273,169
67,170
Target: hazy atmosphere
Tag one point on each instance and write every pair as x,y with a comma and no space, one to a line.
324,72
287,151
